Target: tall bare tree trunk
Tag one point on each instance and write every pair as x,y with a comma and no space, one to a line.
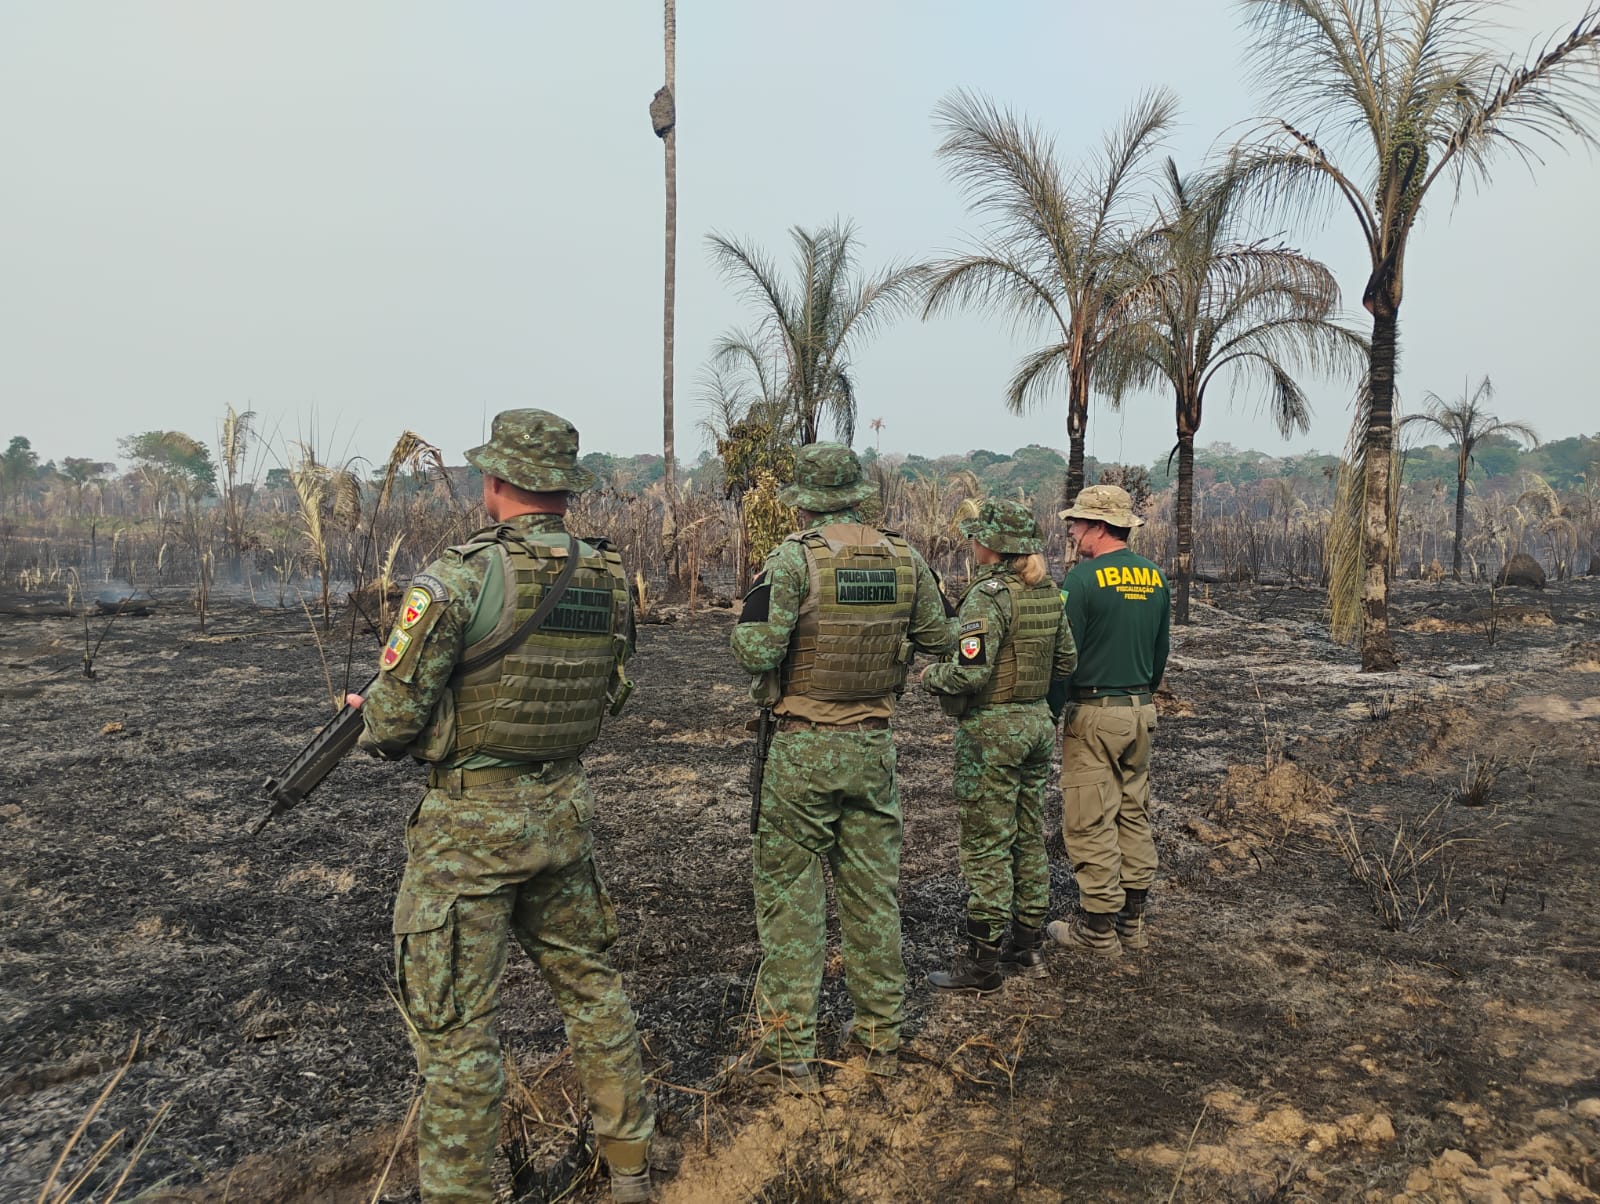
1077,426
1183,517
1461,513
664,117
1377,647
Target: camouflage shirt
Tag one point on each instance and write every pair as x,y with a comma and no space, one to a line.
986,614
464,596
761,645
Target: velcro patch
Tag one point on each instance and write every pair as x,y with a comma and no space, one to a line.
970,651
416,605
581,611
972,625
992,586
757,602
399,641
864,587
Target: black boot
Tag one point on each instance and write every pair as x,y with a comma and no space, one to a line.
1023,952
1130,920
978,969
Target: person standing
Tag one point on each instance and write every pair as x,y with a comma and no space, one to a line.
1120,611
828,631
500,691
1012,641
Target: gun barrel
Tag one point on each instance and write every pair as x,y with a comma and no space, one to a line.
312,763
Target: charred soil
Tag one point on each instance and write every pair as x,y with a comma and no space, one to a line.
1372,976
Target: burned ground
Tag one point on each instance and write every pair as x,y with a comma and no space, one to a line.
1278,1041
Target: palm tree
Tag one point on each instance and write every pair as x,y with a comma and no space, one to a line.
810,328
1466,425
1405,91
1053,249
1212,304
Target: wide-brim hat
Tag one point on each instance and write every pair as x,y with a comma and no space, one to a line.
827,477
1005,527
1109,504
533,450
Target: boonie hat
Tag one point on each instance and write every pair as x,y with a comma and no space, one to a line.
1005,527
1109,504
533,450
827,477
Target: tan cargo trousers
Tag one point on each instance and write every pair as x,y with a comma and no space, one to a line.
1105,802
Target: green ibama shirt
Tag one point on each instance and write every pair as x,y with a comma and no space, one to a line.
1120,613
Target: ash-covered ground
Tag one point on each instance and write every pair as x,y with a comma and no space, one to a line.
1279,1041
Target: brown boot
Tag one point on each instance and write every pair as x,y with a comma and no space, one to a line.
1130,920
629,1165
1087,932
883,1063
978,969
1023,952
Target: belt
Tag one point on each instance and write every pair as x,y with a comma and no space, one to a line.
454,781
788,723
1115,700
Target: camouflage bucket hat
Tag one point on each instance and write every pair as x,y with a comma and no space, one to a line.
1109,504
1005,527
534,450
827,477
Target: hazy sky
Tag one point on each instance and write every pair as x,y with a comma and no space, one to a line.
356,216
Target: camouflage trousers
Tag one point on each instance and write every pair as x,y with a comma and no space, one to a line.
1002,764
828,795
1105,802
509,859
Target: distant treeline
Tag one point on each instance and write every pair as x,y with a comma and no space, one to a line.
1039,471
1034,470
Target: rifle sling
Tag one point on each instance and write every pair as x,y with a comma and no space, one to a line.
541,613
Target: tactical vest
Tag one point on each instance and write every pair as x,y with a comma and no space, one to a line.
1027,654
849,639
545,698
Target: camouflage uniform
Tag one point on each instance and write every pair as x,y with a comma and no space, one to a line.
497,848
829,790
1119,607
1002,749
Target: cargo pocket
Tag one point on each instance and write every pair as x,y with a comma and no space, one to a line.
1082,805
424,958
609,931
582,799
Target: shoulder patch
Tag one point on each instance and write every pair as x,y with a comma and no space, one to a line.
425,591
436,588
972,625
992,586
395,649
970,650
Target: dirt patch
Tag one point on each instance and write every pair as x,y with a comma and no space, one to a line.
1277,1041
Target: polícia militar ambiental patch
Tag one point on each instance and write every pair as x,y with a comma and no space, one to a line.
864,587
582,612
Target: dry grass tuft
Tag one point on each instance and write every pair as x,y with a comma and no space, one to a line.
1477,780
1407,867
549,1141
51,1194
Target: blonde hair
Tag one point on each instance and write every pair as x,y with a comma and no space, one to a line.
1030,567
